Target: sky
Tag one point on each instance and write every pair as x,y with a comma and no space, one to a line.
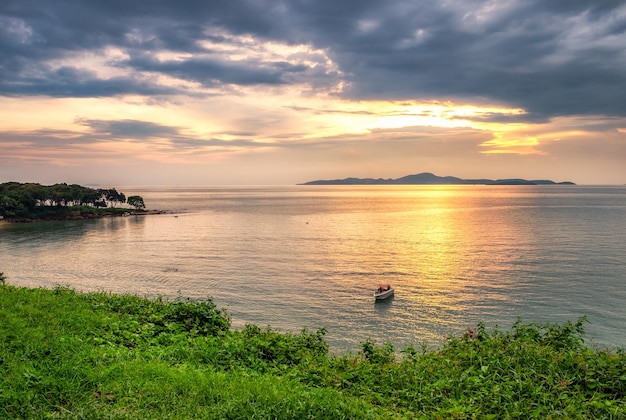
260,92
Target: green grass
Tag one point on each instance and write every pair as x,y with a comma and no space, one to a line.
65,354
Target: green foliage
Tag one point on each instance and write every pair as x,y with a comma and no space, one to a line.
374,354
262,349
71,355
12,205
143,320
202,318
35,201
137,202
112,196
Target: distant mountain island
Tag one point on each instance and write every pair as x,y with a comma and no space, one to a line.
427,178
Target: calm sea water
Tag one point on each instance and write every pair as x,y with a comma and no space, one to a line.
310,256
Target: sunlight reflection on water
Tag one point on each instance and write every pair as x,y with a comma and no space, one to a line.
295,257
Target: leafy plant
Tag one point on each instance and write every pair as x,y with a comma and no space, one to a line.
374,354
198,317
98,355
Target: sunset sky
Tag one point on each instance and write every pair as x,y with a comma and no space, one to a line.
231,92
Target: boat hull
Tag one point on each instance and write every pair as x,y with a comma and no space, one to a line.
384,294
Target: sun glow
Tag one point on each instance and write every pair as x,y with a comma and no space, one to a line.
206,109
350,117
522,146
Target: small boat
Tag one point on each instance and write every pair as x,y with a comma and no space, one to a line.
383,292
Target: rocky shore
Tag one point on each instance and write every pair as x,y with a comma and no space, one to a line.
77,215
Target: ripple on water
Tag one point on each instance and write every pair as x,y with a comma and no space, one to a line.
296,257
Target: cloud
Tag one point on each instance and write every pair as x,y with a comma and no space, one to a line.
151,153
423,80
123,138
129,128
549,58
548,61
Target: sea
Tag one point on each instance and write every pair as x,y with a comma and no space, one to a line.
310,257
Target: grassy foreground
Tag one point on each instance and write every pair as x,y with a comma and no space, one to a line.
65,354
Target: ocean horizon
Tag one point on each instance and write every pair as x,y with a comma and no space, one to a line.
295,257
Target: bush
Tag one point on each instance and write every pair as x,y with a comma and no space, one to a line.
181,315
198,317
375,354
271,348
70,355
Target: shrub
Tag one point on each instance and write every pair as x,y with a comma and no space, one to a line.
199,317
378,355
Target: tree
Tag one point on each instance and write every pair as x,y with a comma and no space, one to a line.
33,201
136,201
90,197
112,196
11,206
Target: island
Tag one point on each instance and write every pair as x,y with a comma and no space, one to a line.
27,202
427,178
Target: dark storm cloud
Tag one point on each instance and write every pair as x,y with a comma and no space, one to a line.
550,58
209,72
72,82
553,62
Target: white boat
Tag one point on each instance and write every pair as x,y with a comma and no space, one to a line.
383,292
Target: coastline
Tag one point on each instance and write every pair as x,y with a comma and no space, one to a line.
81,216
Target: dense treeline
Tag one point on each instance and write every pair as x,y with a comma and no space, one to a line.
31,200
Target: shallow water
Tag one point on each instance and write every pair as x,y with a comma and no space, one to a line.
311,256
